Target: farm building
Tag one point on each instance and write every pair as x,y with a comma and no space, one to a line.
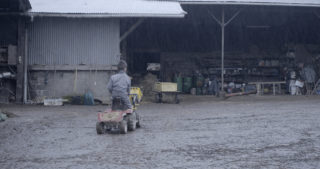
206,46
268,47
72,47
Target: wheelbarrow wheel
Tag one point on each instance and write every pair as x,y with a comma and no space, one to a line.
158,97
100,128
123,127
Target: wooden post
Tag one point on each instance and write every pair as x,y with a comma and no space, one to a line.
20,59
317,14
131,29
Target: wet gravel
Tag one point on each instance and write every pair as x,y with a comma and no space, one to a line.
201,132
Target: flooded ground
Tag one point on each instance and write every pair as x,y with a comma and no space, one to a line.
200,132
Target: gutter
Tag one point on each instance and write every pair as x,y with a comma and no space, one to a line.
102,15
247,3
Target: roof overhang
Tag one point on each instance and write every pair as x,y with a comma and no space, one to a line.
106,8
14,5
293,3
25,5
105,15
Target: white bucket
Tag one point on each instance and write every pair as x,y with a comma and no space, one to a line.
293,90
293,87
299,83
193,91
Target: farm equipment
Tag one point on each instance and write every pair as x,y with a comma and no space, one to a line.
119,117
166,88
136,95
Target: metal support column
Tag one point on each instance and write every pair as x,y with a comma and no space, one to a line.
25,70
222,50
223,24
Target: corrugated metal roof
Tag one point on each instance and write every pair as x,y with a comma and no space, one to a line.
106,8
302,3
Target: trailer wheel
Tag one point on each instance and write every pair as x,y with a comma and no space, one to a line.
100,128
176,98
123,127
157,98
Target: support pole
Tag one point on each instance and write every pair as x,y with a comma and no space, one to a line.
131,29
317,14
223,24
20,59
25,70
222,49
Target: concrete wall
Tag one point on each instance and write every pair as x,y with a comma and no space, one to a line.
68,83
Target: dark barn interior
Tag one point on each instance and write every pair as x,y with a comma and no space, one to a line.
8,50
11,47
262,43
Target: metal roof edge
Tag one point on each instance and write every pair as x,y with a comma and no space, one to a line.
247,3
105,15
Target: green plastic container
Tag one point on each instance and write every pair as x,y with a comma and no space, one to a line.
178,80
187,84
199,91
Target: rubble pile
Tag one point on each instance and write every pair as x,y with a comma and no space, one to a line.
147,84
3,116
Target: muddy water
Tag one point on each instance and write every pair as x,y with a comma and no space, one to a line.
201,132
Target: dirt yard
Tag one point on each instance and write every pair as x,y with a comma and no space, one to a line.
201,132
